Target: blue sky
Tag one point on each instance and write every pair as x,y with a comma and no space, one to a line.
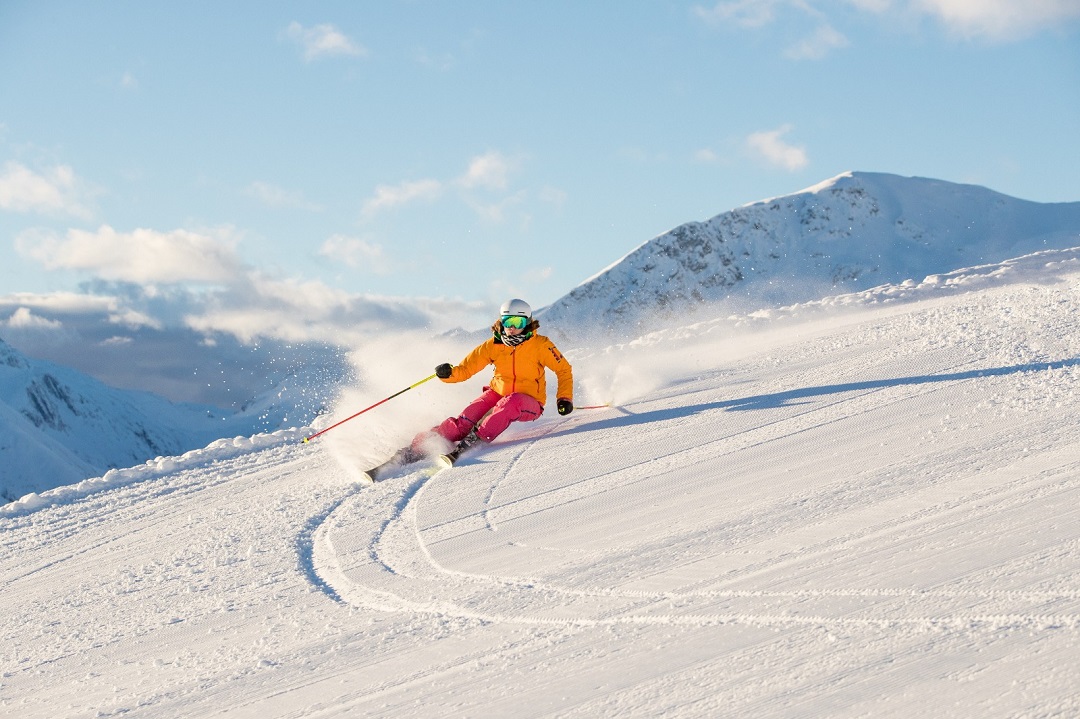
300,170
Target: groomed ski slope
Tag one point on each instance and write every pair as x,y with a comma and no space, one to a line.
864,506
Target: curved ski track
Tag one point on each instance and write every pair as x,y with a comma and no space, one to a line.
376,549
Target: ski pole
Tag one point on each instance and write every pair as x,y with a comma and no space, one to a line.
324,431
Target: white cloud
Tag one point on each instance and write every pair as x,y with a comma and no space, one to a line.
134,319
142,256
818,45
56,191
491,170
440,63
323,40
390,196
871,5
357,252
1000,19
25,326
306,311
641,155
759,13
747,13
706,156
129,81
488,172
769,145
274,196
69,303
496,212
24,318
553,196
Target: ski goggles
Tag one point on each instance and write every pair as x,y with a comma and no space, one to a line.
515,322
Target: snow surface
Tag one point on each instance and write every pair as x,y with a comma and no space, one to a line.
866,505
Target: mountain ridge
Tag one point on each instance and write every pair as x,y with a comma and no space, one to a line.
851,232
67,426
61,426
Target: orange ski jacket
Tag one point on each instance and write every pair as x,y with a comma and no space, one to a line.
519,369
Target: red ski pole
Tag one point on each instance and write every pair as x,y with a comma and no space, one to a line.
308,439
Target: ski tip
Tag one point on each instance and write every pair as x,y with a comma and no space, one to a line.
367,478
446,460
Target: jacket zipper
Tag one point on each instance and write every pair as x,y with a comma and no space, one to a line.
513,370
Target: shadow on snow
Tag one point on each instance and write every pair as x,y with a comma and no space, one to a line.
792,397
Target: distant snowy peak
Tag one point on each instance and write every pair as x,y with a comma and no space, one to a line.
9,357
849,233
58,426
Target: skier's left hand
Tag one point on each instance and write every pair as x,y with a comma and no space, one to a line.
565,406
444,370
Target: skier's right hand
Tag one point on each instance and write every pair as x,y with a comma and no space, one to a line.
444,370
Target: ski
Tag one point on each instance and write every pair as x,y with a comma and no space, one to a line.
404,456
410,455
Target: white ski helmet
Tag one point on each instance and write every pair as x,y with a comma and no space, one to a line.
516,307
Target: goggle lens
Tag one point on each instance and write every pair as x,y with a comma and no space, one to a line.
515,322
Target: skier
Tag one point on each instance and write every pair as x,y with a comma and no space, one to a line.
517,391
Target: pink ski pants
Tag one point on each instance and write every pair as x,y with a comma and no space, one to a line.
491,413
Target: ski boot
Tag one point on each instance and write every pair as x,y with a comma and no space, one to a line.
451,457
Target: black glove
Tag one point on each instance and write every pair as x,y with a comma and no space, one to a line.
444,370
565,406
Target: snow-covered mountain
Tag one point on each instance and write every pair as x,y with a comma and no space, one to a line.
59,426
853,232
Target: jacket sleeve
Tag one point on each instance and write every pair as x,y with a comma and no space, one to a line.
475,361
554,360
